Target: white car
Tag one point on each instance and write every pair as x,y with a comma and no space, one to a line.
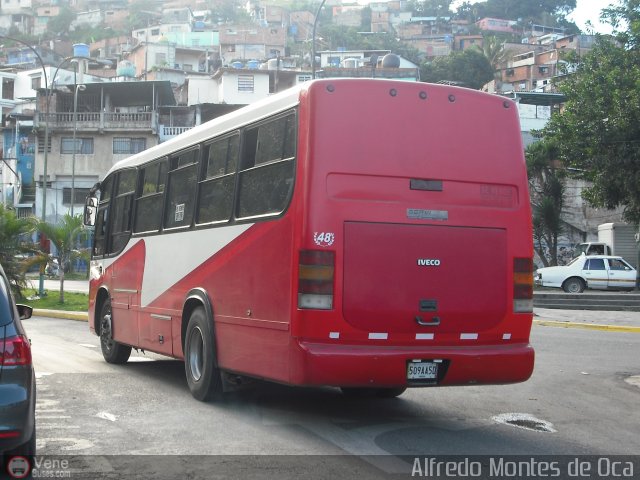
599,272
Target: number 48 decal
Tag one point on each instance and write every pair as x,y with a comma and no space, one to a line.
324,239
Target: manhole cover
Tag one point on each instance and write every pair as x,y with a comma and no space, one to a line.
525,421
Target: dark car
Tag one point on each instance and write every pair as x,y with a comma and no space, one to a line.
17,378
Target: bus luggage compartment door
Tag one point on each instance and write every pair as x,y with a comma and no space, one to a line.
413,278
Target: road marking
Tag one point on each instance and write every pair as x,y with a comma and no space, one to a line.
106,416
635,380
587,326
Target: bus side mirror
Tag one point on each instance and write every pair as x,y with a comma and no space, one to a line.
90,211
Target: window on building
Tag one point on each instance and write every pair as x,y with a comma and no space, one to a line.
245,83
82,146
161,58
129,146
80,195
41,142
155,31
187,67
35,83
304,78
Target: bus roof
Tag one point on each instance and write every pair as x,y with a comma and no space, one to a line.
217,126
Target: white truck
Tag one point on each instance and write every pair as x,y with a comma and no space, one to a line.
613,239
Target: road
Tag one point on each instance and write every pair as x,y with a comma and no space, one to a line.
110,419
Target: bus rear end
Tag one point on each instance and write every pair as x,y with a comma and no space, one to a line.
415,253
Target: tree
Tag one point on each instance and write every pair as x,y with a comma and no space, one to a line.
430,8
598,131
14,246
65,236
469,68
547,191
61,23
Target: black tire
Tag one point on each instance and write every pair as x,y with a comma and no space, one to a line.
364,392
112,351
200,364
573,285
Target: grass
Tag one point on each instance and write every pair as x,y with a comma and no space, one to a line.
73,302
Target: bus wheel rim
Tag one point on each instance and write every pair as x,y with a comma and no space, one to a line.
196,353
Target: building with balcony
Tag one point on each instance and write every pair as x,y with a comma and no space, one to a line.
109,122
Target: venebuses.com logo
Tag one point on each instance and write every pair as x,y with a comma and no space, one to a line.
34,467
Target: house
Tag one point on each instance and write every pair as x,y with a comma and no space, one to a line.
108,122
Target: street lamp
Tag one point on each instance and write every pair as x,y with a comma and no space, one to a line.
313,41
75,147
47,93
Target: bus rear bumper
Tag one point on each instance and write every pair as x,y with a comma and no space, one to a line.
382,366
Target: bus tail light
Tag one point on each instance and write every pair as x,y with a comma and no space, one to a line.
523,285
16,351
315,279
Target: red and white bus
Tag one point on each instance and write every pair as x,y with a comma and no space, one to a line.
366,234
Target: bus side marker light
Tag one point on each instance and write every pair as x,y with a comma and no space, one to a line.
506,336
378,336
468,336
424,336
334,335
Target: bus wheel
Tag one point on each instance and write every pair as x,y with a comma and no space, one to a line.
112,351
203,377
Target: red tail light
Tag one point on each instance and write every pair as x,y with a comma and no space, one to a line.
315,279
16,351
523,285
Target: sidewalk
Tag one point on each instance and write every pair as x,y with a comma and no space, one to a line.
592,319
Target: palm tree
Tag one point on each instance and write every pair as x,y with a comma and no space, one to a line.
65,236
15,246
547,189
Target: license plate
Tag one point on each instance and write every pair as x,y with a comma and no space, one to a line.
422,371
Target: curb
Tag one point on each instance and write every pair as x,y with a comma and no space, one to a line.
80,316
587,326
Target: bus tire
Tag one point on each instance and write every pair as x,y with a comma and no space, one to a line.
203,376
112,351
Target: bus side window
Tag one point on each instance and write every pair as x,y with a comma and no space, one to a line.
100,235
215,198
183,177
266,183
150,196
122,206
